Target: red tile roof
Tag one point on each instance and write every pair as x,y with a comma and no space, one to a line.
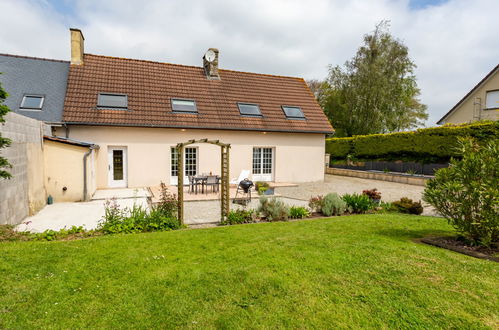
151,85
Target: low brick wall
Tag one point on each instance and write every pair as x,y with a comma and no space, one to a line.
391,177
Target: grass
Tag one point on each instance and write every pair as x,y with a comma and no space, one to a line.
351,271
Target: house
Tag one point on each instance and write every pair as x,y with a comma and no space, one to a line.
137,111
481,103
36,89
36,86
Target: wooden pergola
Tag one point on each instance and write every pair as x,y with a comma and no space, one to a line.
224,189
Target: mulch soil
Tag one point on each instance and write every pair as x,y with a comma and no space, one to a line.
461,246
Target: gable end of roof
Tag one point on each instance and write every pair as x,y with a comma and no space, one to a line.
489,75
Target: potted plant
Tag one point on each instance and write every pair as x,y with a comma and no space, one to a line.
373,194
263,188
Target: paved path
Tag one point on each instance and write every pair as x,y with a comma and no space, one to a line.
86,214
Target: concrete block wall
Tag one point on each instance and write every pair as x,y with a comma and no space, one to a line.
23,194
391,177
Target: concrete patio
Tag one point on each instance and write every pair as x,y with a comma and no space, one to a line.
86,214
205,208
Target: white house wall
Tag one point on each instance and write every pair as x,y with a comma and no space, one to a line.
298,157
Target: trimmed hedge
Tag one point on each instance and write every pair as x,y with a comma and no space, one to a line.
435,144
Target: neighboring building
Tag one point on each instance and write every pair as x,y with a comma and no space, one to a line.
481,103
137,111
36,86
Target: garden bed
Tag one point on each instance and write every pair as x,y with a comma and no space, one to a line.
460,246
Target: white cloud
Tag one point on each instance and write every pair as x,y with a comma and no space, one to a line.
453,44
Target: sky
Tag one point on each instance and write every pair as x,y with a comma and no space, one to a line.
454,43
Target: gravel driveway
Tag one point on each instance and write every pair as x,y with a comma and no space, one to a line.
209,211
390,191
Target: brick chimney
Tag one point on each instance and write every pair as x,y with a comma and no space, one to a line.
77,42
210,64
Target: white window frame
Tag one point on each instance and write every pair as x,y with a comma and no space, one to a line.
174,178
263,176
488,104
117,183
32,109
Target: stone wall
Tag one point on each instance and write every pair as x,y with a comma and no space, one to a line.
391,177
24,194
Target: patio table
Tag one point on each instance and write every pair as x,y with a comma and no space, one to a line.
201,179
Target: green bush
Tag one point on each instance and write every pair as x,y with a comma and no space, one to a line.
136,219
298,212
273,209
239,216
406,205
433,144
333,205
467,192
261,187
357,203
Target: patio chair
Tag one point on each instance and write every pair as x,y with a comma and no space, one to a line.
244,175
191,183
212,180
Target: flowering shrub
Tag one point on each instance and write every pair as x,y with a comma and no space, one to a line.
316,203
373,194
467,192
136,219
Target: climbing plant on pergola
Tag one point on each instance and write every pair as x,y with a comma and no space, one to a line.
224,189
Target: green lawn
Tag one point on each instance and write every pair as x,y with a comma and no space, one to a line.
351,271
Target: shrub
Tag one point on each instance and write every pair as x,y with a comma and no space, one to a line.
385,207
298,212
333,205
261,187
239,216
467,193
358,203
273,209
433,144
406,205
168,202
373,194
316,203
163,216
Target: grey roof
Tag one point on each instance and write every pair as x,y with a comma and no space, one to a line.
23,75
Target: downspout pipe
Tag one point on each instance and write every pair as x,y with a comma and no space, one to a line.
85,156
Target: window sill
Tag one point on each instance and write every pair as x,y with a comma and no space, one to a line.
108,108
252,116
487,109
185,113
30,109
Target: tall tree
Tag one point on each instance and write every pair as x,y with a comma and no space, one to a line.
4,142
375,91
